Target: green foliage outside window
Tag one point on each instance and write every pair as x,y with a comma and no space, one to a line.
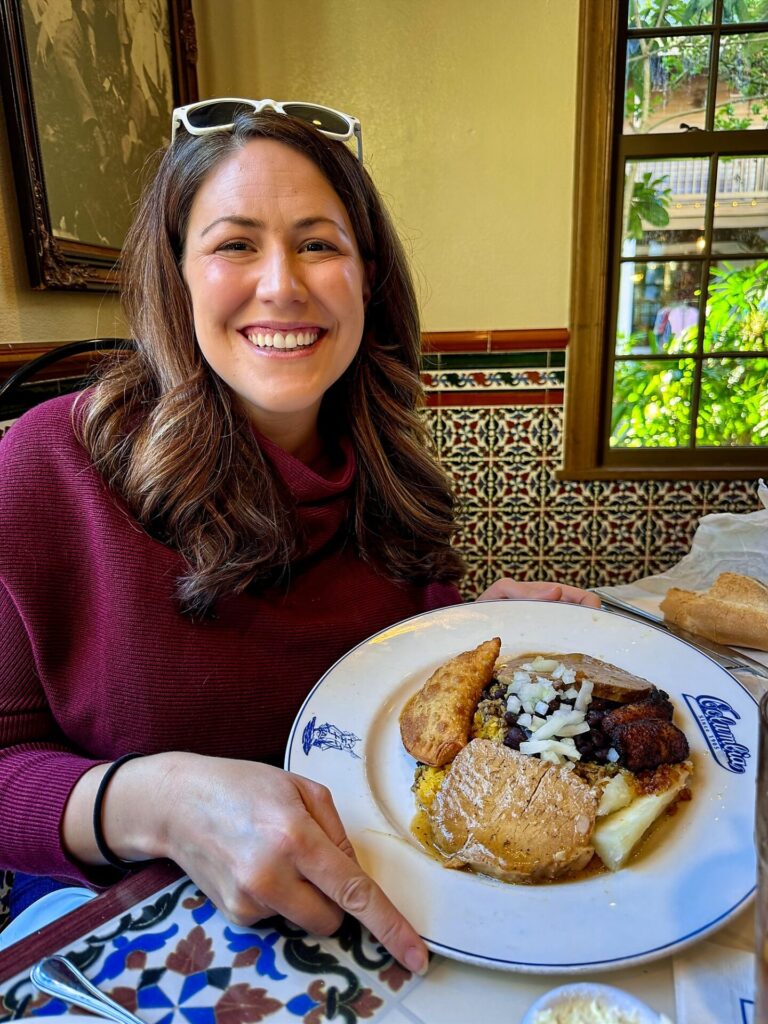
743,60
652,397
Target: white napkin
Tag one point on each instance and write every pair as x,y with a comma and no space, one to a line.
714,985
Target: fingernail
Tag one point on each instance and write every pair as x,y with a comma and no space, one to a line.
416,961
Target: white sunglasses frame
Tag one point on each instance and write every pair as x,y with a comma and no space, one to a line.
180,116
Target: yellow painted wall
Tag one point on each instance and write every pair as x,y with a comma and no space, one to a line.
32,316
468,125
468,114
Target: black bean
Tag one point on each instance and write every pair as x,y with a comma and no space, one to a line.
510,718
515,735
600,704
595,717
584,744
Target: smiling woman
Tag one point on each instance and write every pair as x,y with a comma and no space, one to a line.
234,505
278,288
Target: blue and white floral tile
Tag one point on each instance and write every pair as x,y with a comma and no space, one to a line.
174,959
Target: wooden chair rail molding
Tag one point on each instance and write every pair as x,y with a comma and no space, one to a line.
14,355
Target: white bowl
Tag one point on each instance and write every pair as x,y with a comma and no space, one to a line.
610,997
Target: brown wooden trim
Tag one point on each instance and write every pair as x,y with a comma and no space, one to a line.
525,339
530,341
661,473
455,341
73,926
591,231
479,398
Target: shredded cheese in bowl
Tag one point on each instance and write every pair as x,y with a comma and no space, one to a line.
591,1003
582,1011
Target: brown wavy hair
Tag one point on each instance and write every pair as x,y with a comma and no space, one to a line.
171,441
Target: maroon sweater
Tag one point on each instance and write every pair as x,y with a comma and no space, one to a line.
96,660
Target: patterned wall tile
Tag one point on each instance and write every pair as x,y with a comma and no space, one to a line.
587,533
737,496
465,434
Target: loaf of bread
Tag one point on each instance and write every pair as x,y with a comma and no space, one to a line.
733,611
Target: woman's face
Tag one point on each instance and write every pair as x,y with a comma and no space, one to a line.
278,286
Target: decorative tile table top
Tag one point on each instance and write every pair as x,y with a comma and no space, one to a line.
170,957
174,958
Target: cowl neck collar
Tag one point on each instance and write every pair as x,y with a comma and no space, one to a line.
322,499
305,483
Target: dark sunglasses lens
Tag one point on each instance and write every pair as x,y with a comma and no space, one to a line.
214,114
323,119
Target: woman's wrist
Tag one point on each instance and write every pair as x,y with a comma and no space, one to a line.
98,813
135,808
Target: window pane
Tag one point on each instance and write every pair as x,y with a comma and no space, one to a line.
651,403
664,207
741,211
737,306
733,408
658,307
742,83
657,13
745,10
666,84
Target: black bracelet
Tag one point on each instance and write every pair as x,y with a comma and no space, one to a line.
98,832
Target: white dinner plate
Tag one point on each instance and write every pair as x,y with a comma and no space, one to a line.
694,873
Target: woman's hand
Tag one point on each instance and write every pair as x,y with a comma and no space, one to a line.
512,590
257,840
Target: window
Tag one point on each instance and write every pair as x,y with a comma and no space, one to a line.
669,357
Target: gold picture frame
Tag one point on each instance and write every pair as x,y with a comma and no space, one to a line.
88,88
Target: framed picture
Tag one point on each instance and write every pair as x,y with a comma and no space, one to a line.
88,89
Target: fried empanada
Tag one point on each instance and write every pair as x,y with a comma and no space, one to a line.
435,722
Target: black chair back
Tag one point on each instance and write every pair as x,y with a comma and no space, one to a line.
24,375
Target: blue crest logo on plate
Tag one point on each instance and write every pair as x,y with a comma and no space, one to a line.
328,737
716,719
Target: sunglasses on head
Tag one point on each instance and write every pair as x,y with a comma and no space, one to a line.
219,115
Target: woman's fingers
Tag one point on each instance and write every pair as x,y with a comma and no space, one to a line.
575,595
320,806
540,590
332,872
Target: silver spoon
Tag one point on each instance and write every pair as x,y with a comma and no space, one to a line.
56,976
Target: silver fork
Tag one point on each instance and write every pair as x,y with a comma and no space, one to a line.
57,976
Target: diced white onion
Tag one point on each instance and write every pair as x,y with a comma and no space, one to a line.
585,695
513,704
541,707
544,665
524,720
534,746
558,721
612,755
574,730
550,755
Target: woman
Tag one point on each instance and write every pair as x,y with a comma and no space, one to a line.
230,509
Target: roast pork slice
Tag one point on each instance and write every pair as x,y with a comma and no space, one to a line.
611,682
512,816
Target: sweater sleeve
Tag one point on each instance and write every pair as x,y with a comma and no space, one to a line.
37,769
439,595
